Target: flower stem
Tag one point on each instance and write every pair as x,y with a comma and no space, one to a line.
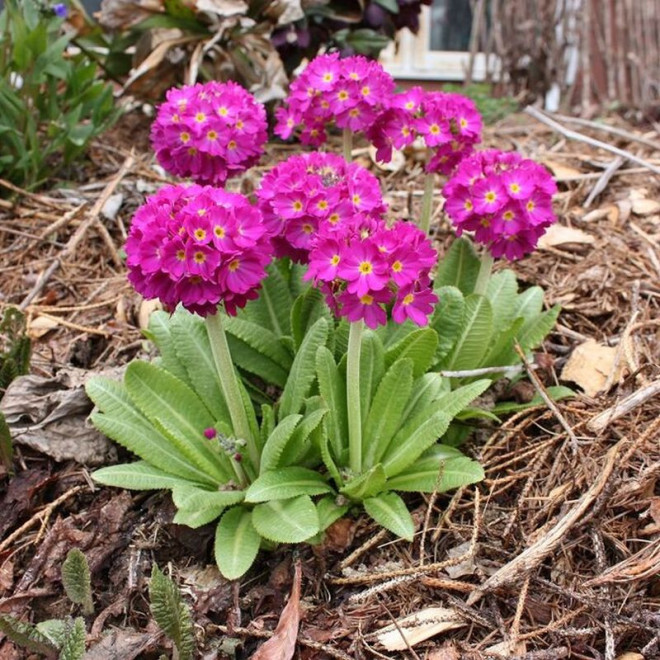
347,144
353,397
229,384
485,269
427,202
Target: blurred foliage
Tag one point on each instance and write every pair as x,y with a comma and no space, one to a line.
51,102
14,346
258,43
492,108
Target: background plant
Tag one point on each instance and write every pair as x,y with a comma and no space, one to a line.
51,102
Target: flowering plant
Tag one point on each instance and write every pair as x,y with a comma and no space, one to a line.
313,355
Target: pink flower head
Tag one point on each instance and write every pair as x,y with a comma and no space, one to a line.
504,199
449,124
209,131
198,246
302,192
350,91
363,266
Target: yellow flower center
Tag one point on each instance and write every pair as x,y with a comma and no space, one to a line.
434,129
334,218
397,266
508,215
327,76
514,188
219,231
366,299
307,228
200,234
184,137
530,205
468,205
297,205
408,299
222,111
233,265
231,145
356,199
335,259
200,117
365,91
212,135
199,257
181,255
322,205
490,196
239,125
365,268
342,95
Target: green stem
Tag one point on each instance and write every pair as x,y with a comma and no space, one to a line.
347,144
485,269
229,384
427,202
353,397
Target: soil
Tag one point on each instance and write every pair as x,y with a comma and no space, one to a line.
555,555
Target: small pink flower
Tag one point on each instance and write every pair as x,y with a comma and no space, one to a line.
414,302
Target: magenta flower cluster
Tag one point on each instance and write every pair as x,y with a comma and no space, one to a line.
449,124
364,266
198,246
209,132
303,192
505,199
351,91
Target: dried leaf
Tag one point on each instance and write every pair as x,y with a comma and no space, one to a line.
124,644
147,308
562,172
222,7
560,235
282,645
39,326
418,627
508,649
645,206
590,365
630,655
123,14
447,651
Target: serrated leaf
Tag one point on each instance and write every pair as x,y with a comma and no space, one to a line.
161,333
76,580
327,458
286,521
501,351
447,319
439,469
190,498
386,411
271,310
123,422
198,517
236,543
328,511
365,485
424,391
193,348
534,331
307,309
171,613
420,346
476,332
529,303
459,267
285,483
138,476
303,371
501,291
413,439
73,643
26,636
333,391
300,442
276,443
257,350
390,511
54,630
372,367
451,403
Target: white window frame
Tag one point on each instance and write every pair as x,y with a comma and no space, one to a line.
410,57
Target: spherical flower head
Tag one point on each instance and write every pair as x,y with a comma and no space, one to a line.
365,266
198,246
350,92
504,199
449,124
209,132
303,192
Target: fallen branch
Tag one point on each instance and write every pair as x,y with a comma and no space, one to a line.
636,399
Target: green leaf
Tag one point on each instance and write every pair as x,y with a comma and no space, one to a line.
267,423
326,456
556,392
413,439
271,310
391,5
198,517
54,629
451,403
459,267
439,469
276,443
501,291
529,303
73,643
302,438
76,580
447,318
137,476
535,330
171,613
26,636
303,372
257,350
329,511
191,498
286,521
365,485
476,332
365,41
372,367
501,351
386,410
307,309
122,422
390,511
333,391
192,345
285,483
424,391
419,346
175,409
236,543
